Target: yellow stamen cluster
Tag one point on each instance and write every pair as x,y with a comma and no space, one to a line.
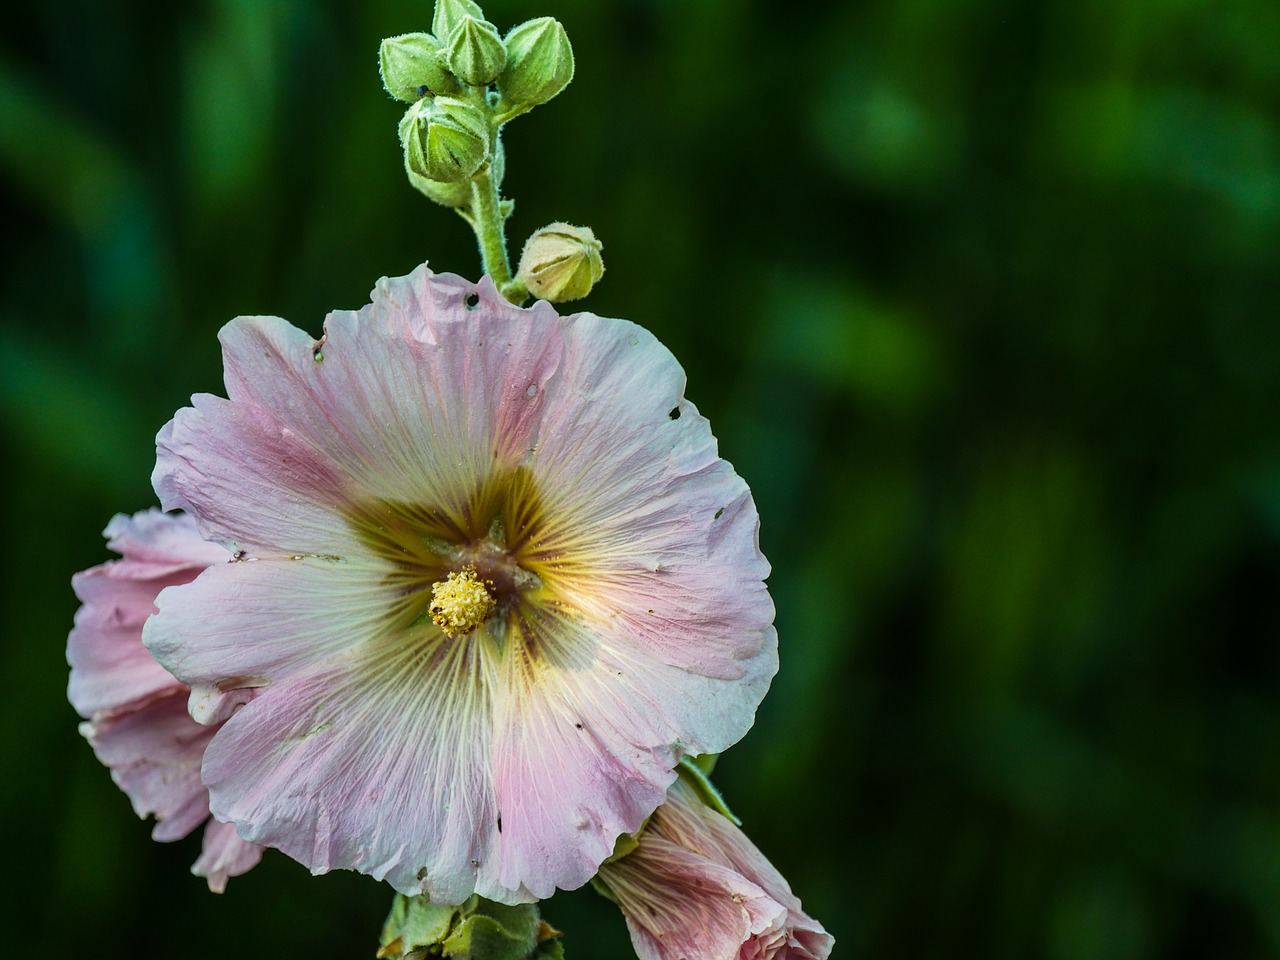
460,603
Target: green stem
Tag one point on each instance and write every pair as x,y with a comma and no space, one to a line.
490,228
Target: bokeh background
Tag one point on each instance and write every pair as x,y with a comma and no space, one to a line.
981,297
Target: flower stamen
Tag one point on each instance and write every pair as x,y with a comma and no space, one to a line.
461,603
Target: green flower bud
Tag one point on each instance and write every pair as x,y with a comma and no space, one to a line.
474,51
561,262
449,12
455,194
444,139
539,63
411,62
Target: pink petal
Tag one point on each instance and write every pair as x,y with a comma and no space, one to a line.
415,416
586,737
154,753
257,622
224,855
252,483
392,780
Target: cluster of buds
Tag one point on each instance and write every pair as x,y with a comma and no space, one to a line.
463,82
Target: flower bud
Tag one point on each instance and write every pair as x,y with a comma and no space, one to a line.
561,262
411,62
474,51
539,62
456,194
444,139
449,12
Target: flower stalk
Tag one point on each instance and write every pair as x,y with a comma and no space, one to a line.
463,84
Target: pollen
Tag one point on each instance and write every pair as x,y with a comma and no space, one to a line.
461,603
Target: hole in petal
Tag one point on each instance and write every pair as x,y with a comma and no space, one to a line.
675,413
531,391
719,513
472,301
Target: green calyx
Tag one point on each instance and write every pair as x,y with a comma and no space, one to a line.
539,64
445,139
411,68
474,51
476,930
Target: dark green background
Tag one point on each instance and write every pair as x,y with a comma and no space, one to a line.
981,297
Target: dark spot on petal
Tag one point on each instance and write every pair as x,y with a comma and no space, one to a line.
578,725
719,513
675,413
472,301
499,823
422,873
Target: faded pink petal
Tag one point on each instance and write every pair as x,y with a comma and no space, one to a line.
224,855
422,437
136,716
697,889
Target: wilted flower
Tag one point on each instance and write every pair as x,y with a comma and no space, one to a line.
136,712
695,888
437,447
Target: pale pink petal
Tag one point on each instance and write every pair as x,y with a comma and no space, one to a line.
407,401
224,855
138,724
664,531
110,668
252,483
164,541
587,734
154,753
339,770
257,622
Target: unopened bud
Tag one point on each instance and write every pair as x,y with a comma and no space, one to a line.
474,51
449,12
444,139
561,262
456,194
411,67
539,62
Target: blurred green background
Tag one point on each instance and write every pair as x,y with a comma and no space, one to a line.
981,297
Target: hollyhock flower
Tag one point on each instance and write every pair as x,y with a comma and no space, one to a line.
493,582
695,888
135,711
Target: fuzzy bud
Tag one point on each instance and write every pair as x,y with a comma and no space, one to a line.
539,63
444,139
561,262
410,63
474,51
449,12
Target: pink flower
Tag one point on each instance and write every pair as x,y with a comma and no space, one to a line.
136,712
697,889
494,582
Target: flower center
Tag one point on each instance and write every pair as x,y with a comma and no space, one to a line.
460,603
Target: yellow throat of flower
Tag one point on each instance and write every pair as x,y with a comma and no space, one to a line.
460,603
